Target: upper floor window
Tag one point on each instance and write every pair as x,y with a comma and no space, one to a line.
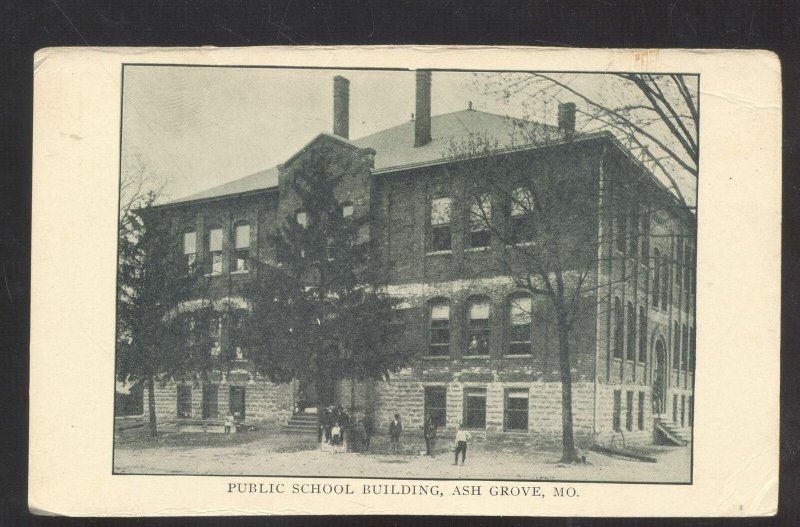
621,233
478,338
656,277
631,342
439,329
520,222
687,267
676,347
214,250
520,325
679,263
685,348
633,238
642,334
644,229
301,217
665,274
619,330
190,249
241,261
692,356
440,224
480,216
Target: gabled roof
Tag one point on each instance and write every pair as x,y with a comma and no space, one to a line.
394,147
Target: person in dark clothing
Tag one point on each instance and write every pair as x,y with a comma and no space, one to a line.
395,429
429,431
368,428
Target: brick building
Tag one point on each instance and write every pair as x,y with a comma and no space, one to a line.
486,351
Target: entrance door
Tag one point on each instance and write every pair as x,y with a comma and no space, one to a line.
237,402
660,378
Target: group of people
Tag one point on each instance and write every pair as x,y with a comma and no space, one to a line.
338,428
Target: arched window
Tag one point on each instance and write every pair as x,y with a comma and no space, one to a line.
439,328
241,260
214,250
478,327
642,334
190,250
520,318
631,340
619,331
656,277
480,217
521,225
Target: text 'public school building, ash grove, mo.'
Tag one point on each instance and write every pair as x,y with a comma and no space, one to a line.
632,359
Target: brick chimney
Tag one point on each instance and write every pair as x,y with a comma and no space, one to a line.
341,107
566,118
422,119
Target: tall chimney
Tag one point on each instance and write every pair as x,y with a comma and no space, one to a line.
566,117
422,119
341,107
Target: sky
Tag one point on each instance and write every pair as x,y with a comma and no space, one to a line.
198,127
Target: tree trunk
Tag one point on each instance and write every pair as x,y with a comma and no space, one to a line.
151,405
568,454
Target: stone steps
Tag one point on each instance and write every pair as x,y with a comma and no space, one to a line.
302,423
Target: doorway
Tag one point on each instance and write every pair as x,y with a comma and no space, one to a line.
237,402
660,378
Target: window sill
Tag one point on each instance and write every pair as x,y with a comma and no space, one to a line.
468,357
518,356
520,244
436,357
476,249
212,274
244,271
515,431
439,253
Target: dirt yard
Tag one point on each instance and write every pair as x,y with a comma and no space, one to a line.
268,453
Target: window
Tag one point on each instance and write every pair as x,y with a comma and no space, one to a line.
665,274
520,325
618,328
475,407
687,267
621,231
642,334
679,264
629,411
439,323
645,231
692,356
631,343
184,401
656,276
190,250
516,409
215,332
214,256
683,411
676,347
241,262
210,401
640,420
521,216
480,216
685,348
436,404
675,408
478,336
690,403
617,410
301,218
633,240
347,210
440,224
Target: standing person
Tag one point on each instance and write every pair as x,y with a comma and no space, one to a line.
395,429
368,427
462,437
228,423
429,430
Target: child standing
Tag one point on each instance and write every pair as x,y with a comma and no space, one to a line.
462,437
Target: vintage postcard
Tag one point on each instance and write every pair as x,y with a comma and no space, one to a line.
405,281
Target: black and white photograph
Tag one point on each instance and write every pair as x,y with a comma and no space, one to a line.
414,274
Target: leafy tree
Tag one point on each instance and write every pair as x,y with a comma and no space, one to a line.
320,311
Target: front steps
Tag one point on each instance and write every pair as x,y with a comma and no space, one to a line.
672,433
302,423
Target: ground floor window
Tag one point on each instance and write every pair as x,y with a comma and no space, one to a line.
617,410
236,402
675,408
475,408
629,411
184,401
516,409
436,404
640,420
210,404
